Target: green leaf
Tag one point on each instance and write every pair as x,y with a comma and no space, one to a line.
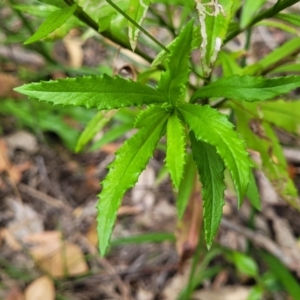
40,11
175,156
172,81
244,263
144,238
186,186
250,9
54,21
163,54
229,65
149,116
252,193
58,3
279,25
287,68
102,92
123,173
111,135
214,18
271,60
137,11
293,19
256,293
43,117
212,127
93,127
289,282
211,172
283,114
100,10
260,137
248,88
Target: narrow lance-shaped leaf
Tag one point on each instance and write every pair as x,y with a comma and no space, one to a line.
93,127
137,11
248,88
102,92
186,186
211,171
111,135
272,59
175,156
54,21
214,18
149,116
259,136
252,192
173,81
212,127
283,114
162,56
250,9
290,18
229,65
131,160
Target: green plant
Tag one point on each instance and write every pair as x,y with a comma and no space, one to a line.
187,114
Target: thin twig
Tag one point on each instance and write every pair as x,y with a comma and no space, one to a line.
40,196
259,240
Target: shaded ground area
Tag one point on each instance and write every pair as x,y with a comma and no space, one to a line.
48,239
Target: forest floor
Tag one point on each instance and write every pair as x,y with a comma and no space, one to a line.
48,198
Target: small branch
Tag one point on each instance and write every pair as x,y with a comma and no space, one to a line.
268,13
259,240
80,14
137,25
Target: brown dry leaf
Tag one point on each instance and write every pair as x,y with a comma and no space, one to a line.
92,234
22,140
73,45
110,148
40,289
57,257
188,230
14,171
3,156
224,293
14,294
177,283
7,84
92,181
26,220
10,240
144,295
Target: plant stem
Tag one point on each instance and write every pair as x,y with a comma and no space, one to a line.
39,46
268,13
247,46
80,14
162,21
137,25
